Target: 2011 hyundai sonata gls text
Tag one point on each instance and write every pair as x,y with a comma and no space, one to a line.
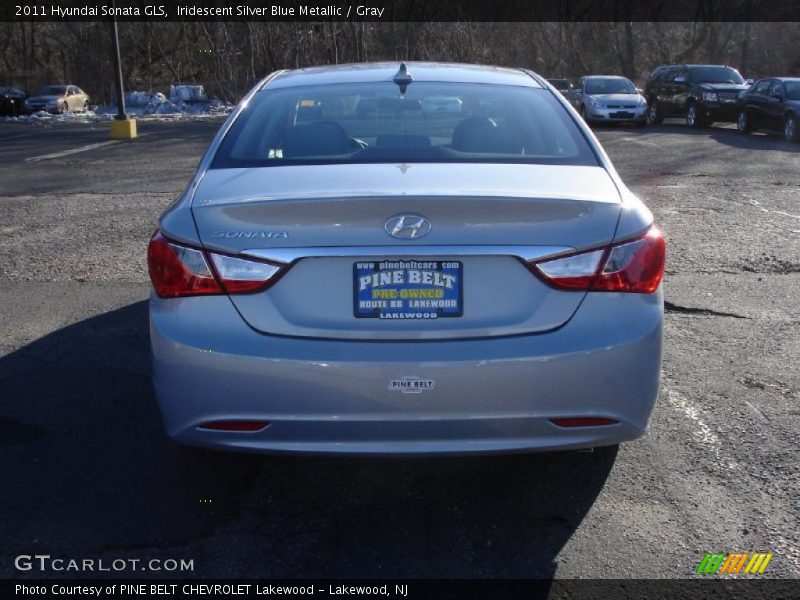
350,272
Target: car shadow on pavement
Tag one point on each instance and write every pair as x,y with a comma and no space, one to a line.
753,141
88,471
728,135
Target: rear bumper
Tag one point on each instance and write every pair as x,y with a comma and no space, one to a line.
324,396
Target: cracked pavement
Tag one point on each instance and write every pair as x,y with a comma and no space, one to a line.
88,472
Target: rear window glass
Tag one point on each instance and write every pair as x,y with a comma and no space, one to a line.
431,122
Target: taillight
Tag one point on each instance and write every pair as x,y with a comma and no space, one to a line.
177,270
635,266
242,276
630,266
574,272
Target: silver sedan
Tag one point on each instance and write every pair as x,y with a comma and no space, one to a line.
610,99
405,281
58,99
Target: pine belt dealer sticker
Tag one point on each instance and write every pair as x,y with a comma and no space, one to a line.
411,385
408,289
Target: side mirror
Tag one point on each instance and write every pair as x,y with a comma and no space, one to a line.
749,81
639,90
680,79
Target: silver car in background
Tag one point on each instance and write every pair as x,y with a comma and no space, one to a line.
402,281
58,99
610,99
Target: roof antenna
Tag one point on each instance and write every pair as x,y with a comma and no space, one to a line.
403,78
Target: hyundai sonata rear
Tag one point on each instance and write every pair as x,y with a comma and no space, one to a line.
399,280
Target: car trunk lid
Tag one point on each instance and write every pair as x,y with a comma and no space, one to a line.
329,220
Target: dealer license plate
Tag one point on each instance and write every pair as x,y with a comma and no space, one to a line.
408,289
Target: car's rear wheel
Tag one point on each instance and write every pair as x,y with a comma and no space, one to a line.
743,123
654,116
791,129
62,108
693,118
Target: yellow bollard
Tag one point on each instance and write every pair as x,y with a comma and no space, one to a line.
123,129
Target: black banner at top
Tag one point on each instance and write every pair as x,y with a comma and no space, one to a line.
399,10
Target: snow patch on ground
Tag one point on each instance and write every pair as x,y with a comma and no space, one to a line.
185,102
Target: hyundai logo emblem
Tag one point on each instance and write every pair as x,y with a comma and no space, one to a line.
408,227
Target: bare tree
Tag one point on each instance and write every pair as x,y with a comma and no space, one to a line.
227,58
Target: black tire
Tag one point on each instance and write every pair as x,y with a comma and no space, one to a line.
641,124
744,124
654,116
693,118
62,108
791,129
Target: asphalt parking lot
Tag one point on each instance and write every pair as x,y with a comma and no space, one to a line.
88,472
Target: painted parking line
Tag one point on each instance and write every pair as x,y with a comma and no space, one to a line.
71,151
82,149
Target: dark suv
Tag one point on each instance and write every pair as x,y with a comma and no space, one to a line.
702,94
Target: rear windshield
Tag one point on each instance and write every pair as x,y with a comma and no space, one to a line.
375,123
715,75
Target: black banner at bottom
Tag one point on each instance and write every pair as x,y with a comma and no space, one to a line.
572,589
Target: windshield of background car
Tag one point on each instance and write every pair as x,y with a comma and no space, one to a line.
52,90
792,89
610,85
374,123
715,75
